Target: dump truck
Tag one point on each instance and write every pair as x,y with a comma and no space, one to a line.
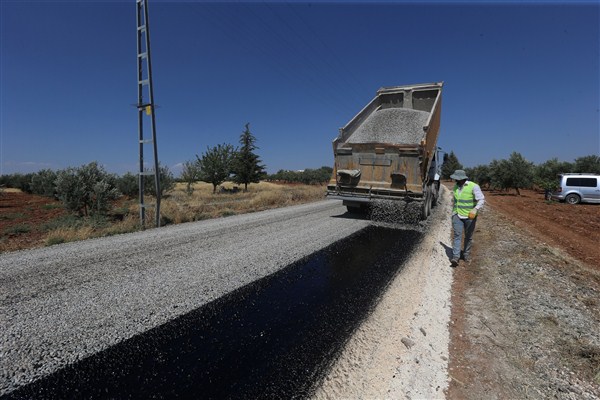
389,152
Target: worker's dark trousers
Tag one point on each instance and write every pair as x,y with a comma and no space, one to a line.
459,226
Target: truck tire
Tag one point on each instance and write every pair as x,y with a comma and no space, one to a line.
358,209
436,196
426,208
353,209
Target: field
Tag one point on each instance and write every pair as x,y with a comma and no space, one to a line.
525,312
29,221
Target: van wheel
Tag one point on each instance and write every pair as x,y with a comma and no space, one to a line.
572,199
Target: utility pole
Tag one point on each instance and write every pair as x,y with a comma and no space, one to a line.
145,105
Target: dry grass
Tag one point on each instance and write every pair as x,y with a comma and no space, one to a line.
178,207
88,231
202,203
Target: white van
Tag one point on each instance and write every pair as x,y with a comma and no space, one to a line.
576,188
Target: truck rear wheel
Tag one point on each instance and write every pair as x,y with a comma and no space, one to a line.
353,209
436,194
426,209
358,209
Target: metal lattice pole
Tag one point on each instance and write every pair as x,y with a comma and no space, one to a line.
145,105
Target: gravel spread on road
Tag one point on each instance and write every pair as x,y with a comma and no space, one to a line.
393,126
62,303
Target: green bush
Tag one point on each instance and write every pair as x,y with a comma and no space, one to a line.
44,183
167,181
128,185
87,189
17,181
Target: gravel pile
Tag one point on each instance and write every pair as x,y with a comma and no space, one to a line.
63,303
392,125
399,212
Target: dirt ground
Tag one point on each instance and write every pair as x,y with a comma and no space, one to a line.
22,218
525,319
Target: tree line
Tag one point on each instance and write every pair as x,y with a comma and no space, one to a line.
90,189
223,162
518,173
307,176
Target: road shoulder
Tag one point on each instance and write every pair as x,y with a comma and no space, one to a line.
401,350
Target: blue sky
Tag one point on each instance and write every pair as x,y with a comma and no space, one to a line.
518,77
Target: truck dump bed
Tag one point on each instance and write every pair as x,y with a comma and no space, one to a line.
388,150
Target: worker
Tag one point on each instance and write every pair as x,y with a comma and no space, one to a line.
468,200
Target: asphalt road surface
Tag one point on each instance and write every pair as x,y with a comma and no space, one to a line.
80,305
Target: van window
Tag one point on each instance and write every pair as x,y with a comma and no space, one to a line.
583,182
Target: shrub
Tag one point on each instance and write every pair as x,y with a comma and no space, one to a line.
87,189
44,183
167,181
128,185
17,181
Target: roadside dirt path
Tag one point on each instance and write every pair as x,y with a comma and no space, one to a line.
526,312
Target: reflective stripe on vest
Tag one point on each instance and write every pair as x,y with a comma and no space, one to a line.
465,200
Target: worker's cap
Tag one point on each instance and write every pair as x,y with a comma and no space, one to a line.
458,175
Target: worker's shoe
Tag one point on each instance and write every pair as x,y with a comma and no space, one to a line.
454,262
467,258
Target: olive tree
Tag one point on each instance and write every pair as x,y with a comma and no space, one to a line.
546,173
87,189
587,164
514,173
44,183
